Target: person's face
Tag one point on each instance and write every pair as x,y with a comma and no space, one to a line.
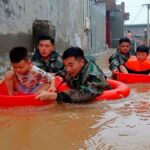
22,67
73,65
45,48
124,47
141,56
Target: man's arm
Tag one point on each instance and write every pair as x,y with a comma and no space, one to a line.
86,92
123,69
113,63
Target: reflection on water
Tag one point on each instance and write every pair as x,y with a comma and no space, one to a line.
114,125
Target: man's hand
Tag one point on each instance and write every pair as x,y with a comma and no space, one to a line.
45,95
123,69
115,71
148,58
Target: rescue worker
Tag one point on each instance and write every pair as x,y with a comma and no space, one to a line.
46,57
84,77
120,57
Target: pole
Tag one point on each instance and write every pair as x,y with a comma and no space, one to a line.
148,28
148,36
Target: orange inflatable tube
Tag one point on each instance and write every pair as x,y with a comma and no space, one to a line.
133,78
136,65
120,90
22,100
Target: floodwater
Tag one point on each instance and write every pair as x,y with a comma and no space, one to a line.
107,125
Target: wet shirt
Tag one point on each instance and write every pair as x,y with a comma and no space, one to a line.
89,83
118,59
53,65
34,77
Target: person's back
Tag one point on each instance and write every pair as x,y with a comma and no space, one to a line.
45,57
140,64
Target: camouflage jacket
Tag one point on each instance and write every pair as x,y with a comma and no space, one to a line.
118,59
89,83
54,64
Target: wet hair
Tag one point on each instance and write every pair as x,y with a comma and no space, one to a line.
73,52
124,39
17,54
142,48
46,37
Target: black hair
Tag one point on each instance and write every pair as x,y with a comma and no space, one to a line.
46,37
124,39
17,54
73,52
142,48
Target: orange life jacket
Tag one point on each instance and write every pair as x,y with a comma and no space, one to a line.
135,65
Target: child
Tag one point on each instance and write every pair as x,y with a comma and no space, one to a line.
25,77
121,56
139,64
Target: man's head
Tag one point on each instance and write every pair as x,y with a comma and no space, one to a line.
142,52
20,60
45,46
124,45
74,60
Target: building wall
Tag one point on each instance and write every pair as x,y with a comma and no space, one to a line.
116,27
139,32
71,19
98,27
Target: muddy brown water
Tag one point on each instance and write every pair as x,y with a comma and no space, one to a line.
105,125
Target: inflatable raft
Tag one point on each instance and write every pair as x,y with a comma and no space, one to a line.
20,100
133,78
119,91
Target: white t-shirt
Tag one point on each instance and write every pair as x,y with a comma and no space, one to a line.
34,77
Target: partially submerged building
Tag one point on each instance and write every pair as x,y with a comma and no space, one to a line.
117,18
88,24
76,22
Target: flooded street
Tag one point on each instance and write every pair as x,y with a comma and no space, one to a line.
106,125
109,31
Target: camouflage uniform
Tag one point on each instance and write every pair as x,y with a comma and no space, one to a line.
54,64
89,83
118,59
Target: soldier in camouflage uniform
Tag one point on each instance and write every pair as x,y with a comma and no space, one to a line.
46,57
117,60
82,75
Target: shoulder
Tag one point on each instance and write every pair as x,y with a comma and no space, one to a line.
92,69
132,58
114,55
55,54
148,58
57,59
36,69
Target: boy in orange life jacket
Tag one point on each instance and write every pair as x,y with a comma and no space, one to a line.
139,64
